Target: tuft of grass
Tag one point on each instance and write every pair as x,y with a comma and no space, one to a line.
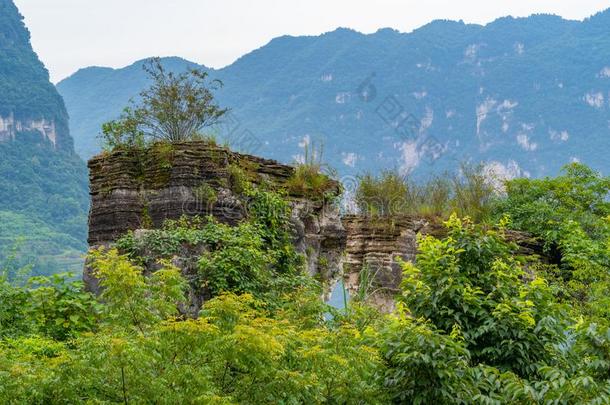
209,138
163,152
383,195
308,179
473,193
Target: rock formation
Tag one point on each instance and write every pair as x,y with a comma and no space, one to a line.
131,190
375,247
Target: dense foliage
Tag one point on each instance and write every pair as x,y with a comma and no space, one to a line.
494,329
472,284
43,206
256,256
263,337
571,214
476,320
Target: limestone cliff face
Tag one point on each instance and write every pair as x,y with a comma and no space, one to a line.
29,102
11,127
131,191
375,247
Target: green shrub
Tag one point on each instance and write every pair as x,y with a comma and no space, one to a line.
206,194
256,256
132,300
471,281
571,214
54,307
425,366
239,182
235,260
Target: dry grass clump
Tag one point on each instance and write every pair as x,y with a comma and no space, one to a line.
308,178
468,193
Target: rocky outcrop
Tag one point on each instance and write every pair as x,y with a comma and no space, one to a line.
133,190
375,247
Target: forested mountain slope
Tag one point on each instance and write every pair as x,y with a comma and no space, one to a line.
524,94
43,183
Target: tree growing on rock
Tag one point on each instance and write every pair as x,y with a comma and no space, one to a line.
176,107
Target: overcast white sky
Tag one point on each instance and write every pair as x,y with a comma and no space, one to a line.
70,34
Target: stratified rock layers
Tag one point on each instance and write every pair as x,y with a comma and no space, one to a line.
373,248
133,190
376,246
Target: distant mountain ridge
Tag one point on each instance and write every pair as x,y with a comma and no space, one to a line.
525,95
43,183
28,100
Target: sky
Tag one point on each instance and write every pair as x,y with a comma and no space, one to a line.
71,34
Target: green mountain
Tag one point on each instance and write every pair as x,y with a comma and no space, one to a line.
43,183
527,95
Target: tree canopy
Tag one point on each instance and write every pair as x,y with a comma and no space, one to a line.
176,107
